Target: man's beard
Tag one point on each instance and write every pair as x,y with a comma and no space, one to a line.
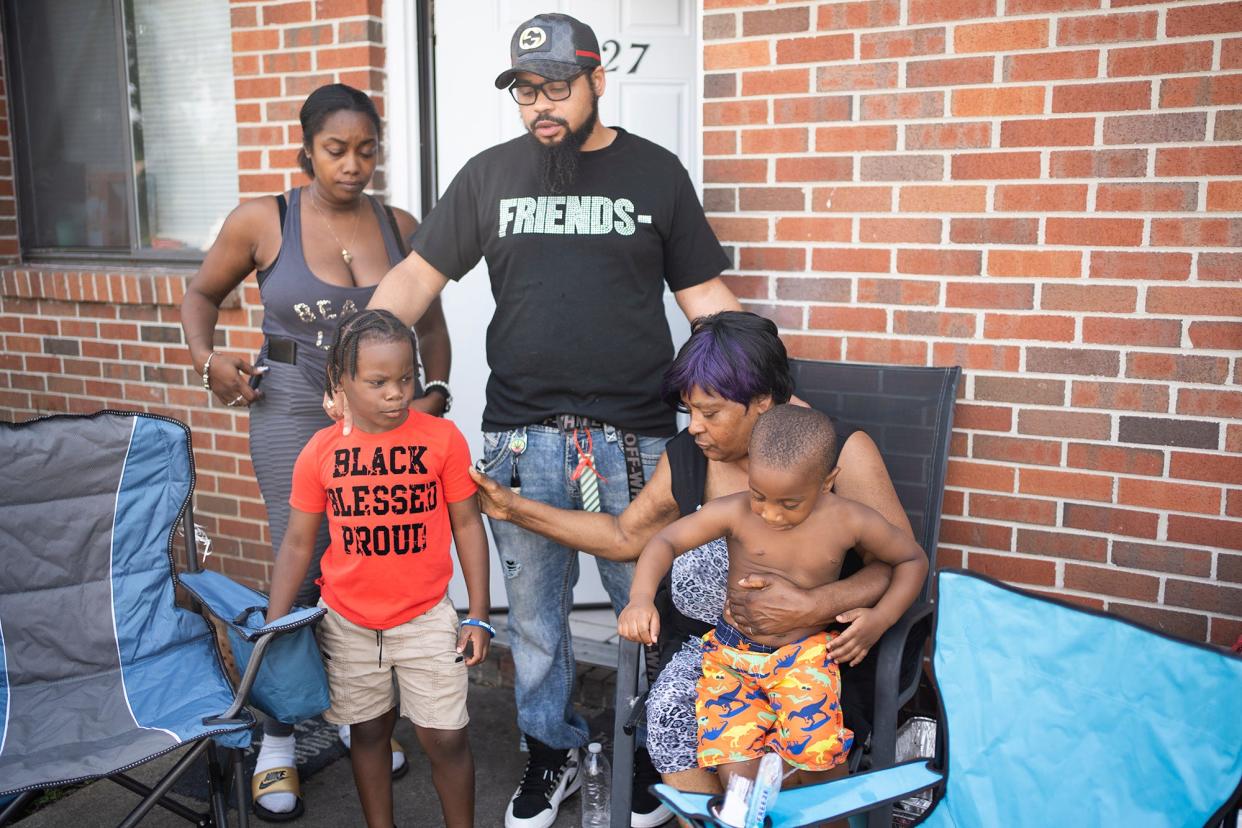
558,163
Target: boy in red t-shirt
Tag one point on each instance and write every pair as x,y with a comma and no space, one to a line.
396,492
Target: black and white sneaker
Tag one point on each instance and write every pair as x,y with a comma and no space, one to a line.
645,810
551,775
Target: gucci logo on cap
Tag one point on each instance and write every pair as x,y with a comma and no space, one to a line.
532,38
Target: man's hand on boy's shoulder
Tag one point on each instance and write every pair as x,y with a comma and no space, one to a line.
335,406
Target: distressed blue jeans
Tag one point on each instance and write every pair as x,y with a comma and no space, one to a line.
540,574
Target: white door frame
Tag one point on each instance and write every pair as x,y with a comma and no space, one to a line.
402,159
403,153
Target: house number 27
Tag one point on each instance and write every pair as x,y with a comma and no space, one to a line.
611,51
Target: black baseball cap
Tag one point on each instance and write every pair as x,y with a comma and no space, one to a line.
555,46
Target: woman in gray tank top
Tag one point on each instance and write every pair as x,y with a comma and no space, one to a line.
319,252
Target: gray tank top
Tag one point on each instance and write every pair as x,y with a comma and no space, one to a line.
298,305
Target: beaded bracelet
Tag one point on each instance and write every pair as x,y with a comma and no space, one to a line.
475,622
207,370
442,387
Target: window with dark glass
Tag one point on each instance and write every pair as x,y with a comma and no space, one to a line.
123,122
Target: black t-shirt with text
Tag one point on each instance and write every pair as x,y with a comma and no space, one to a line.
578,279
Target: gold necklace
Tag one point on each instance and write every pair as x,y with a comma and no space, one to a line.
345,254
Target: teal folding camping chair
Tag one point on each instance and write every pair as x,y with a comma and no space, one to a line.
1054,716
100,670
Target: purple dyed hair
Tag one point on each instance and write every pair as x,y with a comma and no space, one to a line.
733,354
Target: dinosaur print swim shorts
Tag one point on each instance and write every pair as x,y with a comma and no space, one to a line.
754,699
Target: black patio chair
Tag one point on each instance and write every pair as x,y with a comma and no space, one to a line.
908,412
100,669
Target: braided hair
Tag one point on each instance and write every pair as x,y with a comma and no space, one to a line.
365,326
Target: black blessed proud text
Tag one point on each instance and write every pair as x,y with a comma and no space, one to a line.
391,499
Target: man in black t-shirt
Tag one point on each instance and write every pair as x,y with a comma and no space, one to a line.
582,226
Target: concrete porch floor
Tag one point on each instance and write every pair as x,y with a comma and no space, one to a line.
329,794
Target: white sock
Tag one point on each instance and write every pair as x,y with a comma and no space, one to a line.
276,752
398,758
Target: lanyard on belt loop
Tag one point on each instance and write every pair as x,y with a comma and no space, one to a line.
586,474
635,474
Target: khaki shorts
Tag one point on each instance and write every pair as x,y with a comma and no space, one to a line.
368,670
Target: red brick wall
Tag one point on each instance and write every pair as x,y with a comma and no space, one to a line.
8,196
1047,193
80,339
283,51
1044,192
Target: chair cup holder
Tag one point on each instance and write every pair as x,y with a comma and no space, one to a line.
713,809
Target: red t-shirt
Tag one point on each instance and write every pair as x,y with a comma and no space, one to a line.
385,496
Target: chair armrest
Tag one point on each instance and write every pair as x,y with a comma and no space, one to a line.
818,803
891,647
298,617
628,707
231,602
890,694
236,606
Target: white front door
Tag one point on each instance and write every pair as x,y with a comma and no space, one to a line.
649,48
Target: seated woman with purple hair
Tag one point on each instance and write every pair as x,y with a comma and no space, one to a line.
732,369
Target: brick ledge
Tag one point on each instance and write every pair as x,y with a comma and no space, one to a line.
159,285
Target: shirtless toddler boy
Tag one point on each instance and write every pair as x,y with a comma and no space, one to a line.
779,693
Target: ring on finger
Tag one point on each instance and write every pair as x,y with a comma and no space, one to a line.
237,399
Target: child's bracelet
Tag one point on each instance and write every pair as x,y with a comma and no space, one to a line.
475,622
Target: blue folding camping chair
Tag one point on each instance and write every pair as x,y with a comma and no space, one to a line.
1054,716
99,670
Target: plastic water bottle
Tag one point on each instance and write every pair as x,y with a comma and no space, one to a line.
596,799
